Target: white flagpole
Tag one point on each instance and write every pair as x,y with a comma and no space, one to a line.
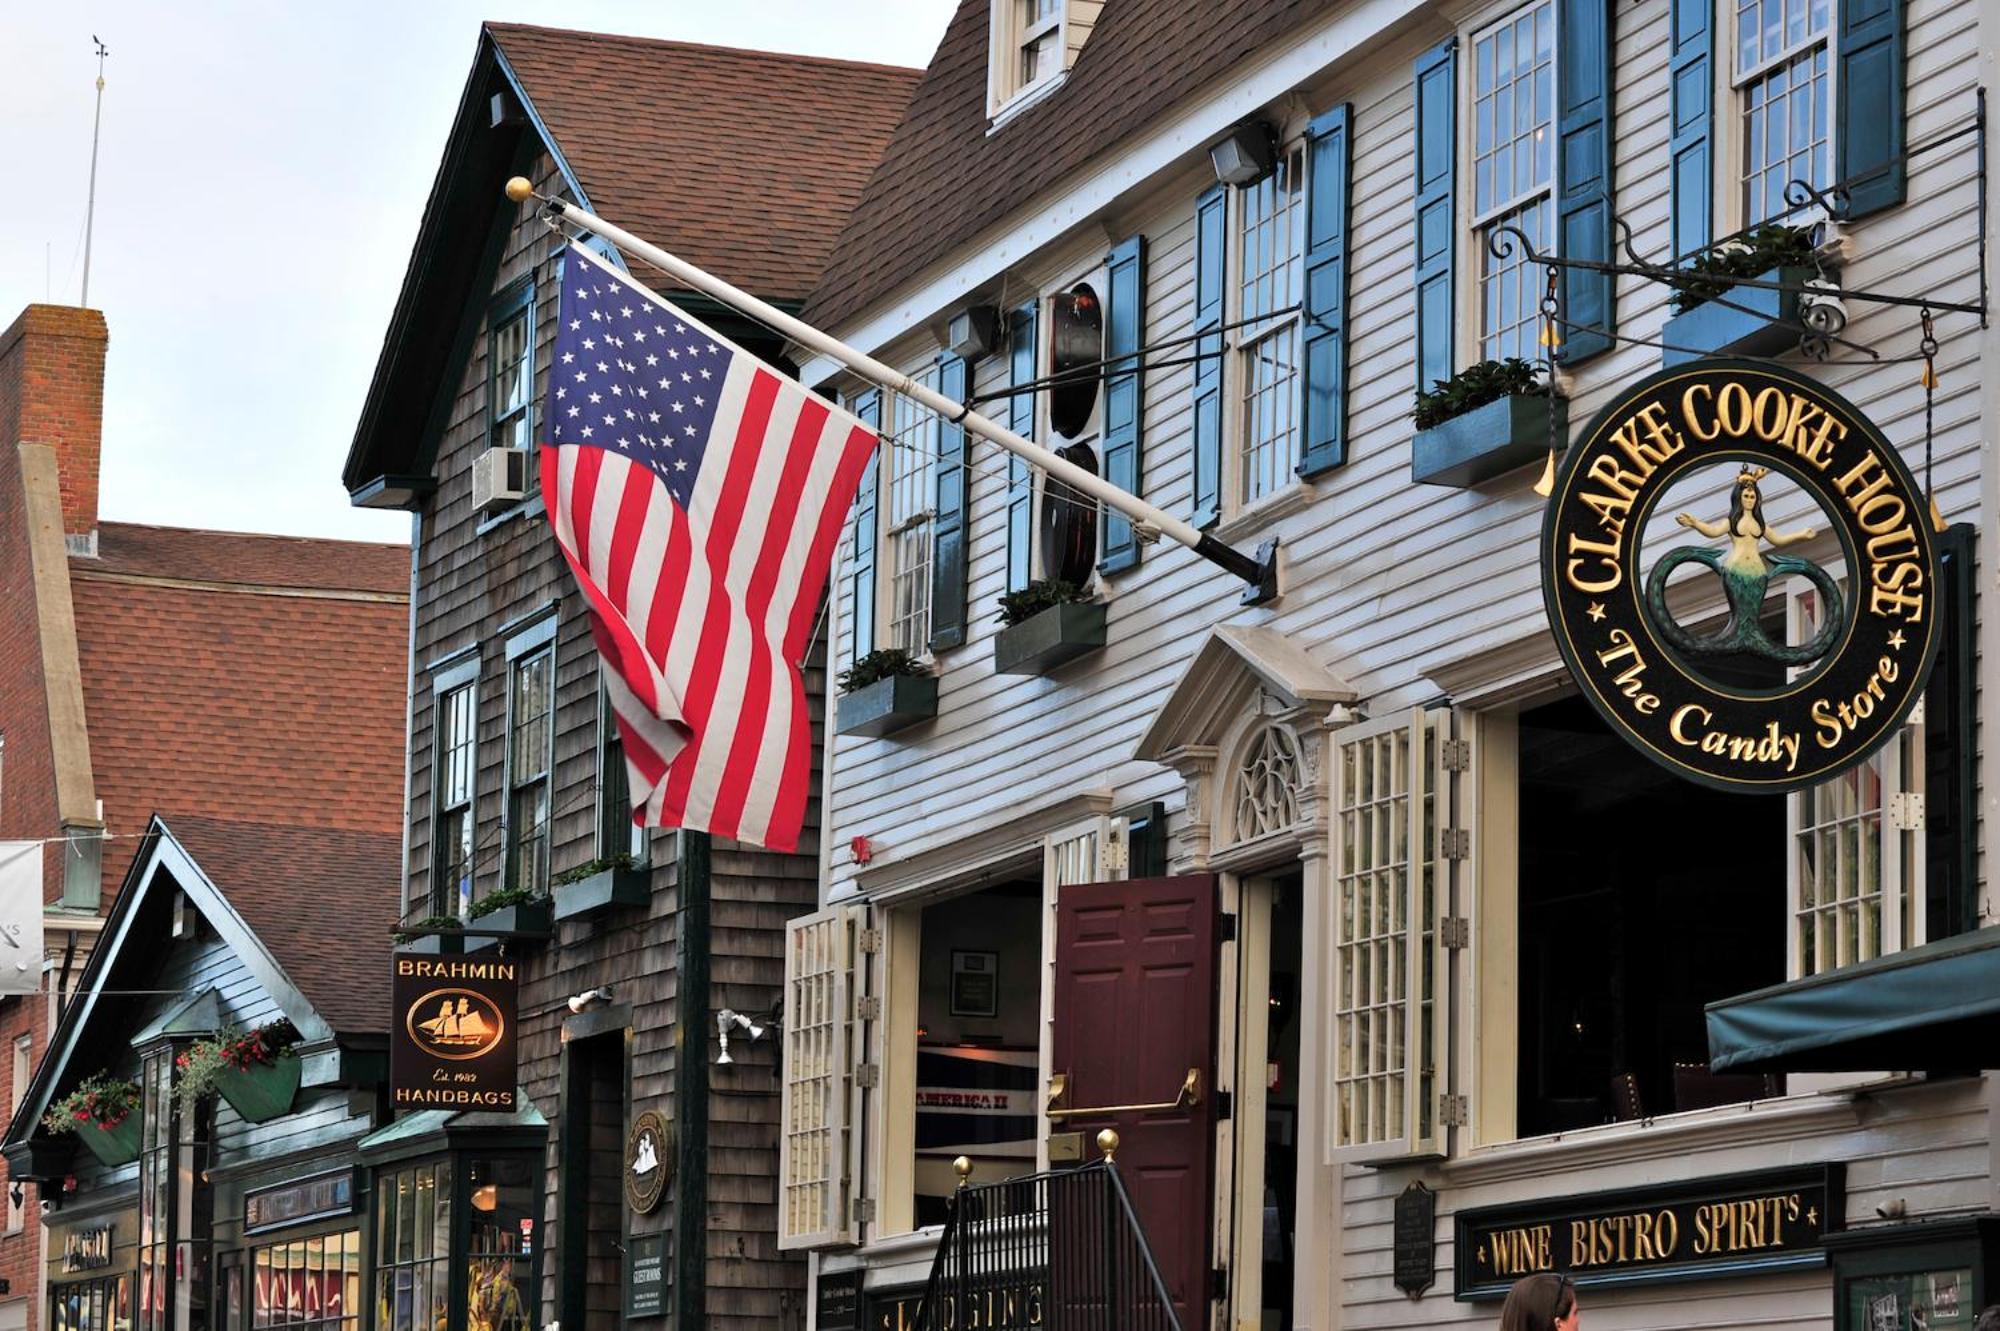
1259,573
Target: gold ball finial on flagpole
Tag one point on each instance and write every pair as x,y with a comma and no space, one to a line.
520,189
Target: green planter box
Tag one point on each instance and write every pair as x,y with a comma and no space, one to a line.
1052,638
262,1091
116,1145
887,706
531,921
1768,324
441,944
1489,441
607,889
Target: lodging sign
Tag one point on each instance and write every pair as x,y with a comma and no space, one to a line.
452,1042
1723,434
1735,1224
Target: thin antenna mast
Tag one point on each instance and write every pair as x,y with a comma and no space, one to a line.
90,210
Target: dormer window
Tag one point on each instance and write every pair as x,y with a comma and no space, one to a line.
1039,39
1034,43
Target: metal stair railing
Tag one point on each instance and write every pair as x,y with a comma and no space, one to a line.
1056,1251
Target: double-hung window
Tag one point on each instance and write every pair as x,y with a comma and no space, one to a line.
617,834
1038,40
1271,236
1784,78
531,678
909,458
455,746
1513,170
510,367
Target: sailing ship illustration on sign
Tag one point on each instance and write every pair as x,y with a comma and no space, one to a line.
462,1024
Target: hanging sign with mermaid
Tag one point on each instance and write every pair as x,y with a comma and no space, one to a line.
1667,575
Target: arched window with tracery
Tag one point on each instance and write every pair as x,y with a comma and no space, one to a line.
1267,783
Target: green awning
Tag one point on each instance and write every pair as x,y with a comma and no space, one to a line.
1934,1008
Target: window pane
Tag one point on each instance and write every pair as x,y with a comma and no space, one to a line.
910,453
1272,232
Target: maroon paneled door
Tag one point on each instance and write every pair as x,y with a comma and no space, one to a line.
1135,999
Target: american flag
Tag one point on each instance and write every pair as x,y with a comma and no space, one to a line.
697,494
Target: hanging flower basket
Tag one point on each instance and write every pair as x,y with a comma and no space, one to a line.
104,1114
261,1091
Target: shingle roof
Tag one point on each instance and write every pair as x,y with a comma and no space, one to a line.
276,700
322,899
743,162
255,560
944,178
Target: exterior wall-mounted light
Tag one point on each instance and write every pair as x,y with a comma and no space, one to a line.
1246,155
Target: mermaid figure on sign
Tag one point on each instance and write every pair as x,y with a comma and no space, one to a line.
1746,573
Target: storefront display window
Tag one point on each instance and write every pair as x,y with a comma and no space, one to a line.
479,1210
308,1284
91,1305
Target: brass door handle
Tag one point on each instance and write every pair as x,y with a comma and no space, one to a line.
1189,1097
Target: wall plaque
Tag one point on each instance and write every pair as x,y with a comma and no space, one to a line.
837,1301
295,1203
451,1044
1835,690
975,984
649,1162
1734,1224
646,1275
1416,1239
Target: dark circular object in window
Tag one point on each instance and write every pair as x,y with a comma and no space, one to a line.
1076,345
1069,521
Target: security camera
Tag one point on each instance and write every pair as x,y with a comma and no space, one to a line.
590,998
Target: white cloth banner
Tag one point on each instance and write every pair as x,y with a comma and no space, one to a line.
20,917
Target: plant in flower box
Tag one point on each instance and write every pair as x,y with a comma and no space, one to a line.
885,691
103,1112
1044,625
257,1072
1484,421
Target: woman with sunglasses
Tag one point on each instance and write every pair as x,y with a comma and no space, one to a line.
1541,1303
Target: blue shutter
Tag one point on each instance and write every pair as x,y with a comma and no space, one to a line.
1329,154
1691,84
1211,212
862,580
1021,361
949,524
1868,123
1124,395
1583,174
1437,224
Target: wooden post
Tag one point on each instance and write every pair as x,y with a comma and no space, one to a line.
691,1016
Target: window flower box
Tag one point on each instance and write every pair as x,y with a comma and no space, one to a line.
604,889
262,1091
1768,323
444,943
1488,441
115,1145
890,704
522,921
1050,638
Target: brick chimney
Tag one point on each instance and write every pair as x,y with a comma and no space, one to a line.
52,392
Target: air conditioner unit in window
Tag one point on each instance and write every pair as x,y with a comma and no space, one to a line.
499,476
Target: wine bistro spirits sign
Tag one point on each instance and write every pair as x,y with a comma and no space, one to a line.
1720,435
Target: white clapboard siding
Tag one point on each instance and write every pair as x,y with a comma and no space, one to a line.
1386,580
1926,1146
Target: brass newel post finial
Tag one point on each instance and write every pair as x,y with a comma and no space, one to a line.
963,1168
1107,1142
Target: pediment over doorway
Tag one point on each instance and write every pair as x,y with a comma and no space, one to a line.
1231,668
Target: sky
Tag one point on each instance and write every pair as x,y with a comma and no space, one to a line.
261,173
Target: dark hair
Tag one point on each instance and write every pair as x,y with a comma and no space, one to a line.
1736,507
1536,1302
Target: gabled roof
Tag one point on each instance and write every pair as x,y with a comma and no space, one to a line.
744,162
1231,661
306,910
944,178
260,679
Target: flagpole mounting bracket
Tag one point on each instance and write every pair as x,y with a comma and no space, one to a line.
1260,571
